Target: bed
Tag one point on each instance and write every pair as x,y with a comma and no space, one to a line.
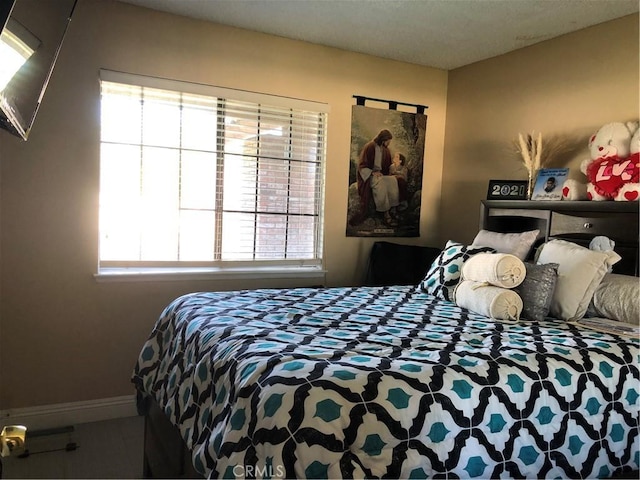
385,381
388,382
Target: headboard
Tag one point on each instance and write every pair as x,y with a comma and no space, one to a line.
576,221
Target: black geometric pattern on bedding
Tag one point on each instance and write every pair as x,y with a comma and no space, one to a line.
388,382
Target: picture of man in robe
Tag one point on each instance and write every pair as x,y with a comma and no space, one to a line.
385,176
375,179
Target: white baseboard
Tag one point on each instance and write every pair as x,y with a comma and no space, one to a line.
63,414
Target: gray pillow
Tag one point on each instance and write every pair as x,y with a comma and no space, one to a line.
617,297
537,290
518,244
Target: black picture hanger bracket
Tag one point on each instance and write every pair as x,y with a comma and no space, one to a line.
393,105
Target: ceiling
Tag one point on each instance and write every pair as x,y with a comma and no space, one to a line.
439,33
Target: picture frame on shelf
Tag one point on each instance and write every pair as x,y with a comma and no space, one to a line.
507,190
549,182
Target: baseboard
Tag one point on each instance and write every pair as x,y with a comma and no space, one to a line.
61,414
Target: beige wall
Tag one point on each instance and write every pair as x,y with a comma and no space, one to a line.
65,337
565,88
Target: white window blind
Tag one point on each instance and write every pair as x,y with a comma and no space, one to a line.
198,176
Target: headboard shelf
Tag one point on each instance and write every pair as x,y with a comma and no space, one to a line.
564,205
575,221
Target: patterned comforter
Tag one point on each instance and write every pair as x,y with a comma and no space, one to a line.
388,382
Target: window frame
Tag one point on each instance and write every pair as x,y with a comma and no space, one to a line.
173,270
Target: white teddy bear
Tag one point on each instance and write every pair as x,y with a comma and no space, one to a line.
613,169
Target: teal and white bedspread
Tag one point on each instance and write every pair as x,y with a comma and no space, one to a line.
374,382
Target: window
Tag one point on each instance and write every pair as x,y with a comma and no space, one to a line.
197,176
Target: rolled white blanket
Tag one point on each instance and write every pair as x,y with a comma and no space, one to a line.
499,269
488,300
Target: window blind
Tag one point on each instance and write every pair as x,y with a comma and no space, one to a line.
189,178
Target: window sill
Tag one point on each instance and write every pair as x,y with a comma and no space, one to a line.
184,274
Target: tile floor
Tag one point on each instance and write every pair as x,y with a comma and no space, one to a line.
107,449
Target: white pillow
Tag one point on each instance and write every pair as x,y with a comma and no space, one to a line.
580,271
517,244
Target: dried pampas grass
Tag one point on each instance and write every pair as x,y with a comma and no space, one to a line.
530,150
534,157
553,155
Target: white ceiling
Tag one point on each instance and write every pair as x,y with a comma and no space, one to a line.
439,33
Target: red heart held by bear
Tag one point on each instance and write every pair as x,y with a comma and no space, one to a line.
631,196
565,192
609,174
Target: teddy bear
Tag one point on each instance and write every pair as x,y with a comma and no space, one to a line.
613,169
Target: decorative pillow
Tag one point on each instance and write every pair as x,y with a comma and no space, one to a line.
537,290
444,274
580,271
618,298
488,300
518,244
499,269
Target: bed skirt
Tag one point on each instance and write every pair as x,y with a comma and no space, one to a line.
165,453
